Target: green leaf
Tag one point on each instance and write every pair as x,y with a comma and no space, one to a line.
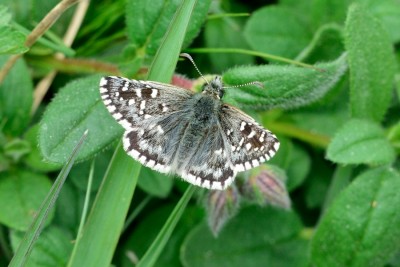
284,86
76,108
359,227
277,30
147,22
35,159
11,41
15,98
255,237
360,141
225,33
52,248
21,194
372,65
155,183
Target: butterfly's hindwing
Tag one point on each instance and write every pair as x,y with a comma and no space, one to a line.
251,144
210,166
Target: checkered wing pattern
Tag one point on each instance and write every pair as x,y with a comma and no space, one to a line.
250,143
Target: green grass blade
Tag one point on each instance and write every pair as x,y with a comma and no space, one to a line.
152,254
105,222
25,248
164,62
85,209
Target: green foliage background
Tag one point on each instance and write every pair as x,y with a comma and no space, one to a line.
338,123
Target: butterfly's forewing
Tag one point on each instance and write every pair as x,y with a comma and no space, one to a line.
150,112
250,143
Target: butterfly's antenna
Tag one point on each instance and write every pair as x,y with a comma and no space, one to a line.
256,83
194,64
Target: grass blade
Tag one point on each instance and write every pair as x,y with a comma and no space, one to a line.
25,248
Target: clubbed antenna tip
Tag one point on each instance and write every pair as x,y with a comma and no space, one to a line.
186,55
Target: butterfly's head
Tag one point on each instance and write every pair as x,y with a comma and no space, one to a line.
214,88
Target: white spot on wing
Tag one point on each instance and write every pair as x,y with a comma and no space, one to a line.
242,125
154,93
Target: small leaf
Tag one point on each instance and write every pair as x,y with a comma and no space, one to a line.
277,30
372,65
359,228
52,248
360,141
11,41
285,87
21,194
15,98
255,237
76,108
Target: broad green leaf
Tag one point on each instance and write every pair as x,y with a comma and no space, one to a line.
15,98
277,30
372,65
360,141
11,41
76,108
21,193
255,237
285,87
155,183
225,33
147,22
51,250
359,228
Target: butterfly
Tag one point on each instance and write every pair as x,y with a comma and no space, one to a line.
194,135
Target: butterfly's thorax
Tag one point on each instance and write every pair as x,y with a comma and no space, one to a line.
202,116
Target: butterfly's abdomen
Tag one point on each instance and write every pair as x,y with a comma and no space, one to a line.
202,119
